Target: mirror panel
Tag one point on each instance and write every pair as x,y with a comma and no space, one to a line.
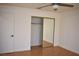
48,28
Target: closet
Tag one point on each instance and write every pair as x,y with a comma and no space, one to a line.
6,33
42,31
12,33
36,31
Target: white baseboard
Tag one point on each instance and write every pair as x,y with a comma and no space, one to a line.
16,50
77,52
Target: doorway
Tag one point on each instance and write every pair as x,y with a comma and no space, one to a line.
36,31
42,32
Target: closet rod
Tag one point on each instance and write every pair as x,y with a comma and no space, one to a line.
36,23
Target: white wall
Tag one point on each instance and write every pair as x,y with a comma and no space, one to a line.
27,13
69,38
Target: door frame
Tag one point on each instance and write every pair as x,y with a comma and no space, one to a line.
53,24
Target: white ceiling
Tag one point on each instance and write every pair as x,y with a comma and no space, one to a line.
36,5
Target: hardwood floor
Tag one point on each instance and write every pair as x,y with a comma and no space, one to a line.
39,51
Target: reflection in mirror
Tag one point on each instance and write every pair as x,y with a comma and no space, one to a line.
48,32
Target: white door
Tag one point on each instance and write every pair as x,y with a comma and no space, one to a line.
6,30
48,28
20,38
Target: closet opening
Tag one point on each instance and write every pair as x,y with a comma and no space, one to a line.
42,32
